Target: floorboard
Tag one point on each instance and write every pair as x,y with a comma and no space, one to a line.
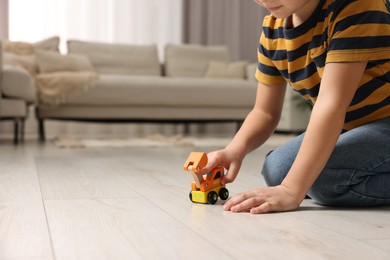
132,203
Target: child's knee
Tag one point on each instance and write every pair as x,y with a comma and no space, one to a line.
278,162
274,169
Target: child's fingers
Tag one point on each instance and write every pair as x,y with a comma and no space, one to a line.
246,205
263,208
243,202
214,160
231,173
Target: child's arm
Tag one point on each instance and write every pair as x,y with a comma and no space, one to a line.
338,86
256,129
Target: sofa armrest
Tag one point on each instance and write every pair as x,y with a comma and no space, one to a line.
17,83
251,71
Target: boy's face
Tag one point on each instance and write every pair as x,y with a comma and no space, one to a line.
286,8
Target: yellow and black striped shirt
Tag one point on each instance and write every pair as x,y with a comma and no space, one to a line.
337,31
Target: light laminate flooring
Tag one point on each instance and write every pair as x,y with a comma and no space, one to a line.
132,203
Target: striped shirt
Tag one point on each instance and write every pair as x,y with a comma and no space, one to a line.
337,31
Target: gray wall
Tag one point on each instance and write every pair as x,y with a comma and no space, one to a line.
3,19
235,23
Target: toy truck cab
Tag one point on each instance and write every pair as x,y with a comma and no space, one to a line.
205,188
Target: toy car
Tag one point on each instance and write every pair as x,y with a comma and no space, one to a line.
205,188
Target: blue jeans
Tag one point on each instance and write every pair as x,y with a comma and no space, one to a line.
357,173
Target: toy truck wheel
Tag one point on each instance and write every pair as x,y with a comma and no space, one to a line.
191,196
212,197
223,193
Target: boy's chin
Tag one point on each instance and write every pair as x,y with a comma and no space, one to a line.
279,16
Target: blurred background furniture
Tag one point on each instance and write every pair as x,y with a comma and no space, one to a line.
194,84
17,92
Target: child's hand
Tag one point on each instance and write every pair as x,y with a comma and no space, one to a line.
264,200
229,160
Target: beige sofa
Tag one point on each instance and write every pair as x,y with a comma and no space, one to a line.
17,92
194,84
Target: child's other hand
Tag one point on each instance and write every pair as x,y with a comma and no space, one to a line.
264,200
228,160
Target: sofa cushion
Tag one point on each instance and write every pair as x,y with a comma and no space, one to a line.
50,61
125,90
217,69
110,58
144,113
190,60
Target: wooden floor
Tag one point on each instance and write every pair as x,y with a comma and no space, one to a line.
132,203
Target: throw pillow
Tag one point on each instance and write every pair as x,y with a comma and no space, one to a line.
22,54
191,60
26,48
51,61
49,44
217,69
27,62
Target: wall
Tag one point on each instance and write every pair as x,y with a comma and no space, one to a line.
3,19
234,23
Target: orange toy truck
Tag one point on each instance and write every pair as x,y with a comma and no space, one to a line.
205,188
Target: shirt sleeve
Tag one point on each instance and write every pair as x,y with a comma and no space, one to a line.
266,72
359,31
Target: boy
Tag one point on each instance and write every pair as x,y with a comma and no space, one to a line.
336,53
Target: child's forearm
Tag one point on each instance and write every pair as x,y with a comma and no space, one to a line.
256,129
261,121
320,139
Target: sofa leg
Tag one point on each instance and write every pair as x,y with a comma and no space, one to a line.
16,130
238,125
22,128
41,130
186,129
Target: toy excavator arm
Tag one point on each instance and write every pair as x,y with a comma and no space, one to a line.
194,164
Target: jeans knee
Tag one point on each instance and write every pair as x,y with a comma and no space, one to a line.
273,170
278,162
